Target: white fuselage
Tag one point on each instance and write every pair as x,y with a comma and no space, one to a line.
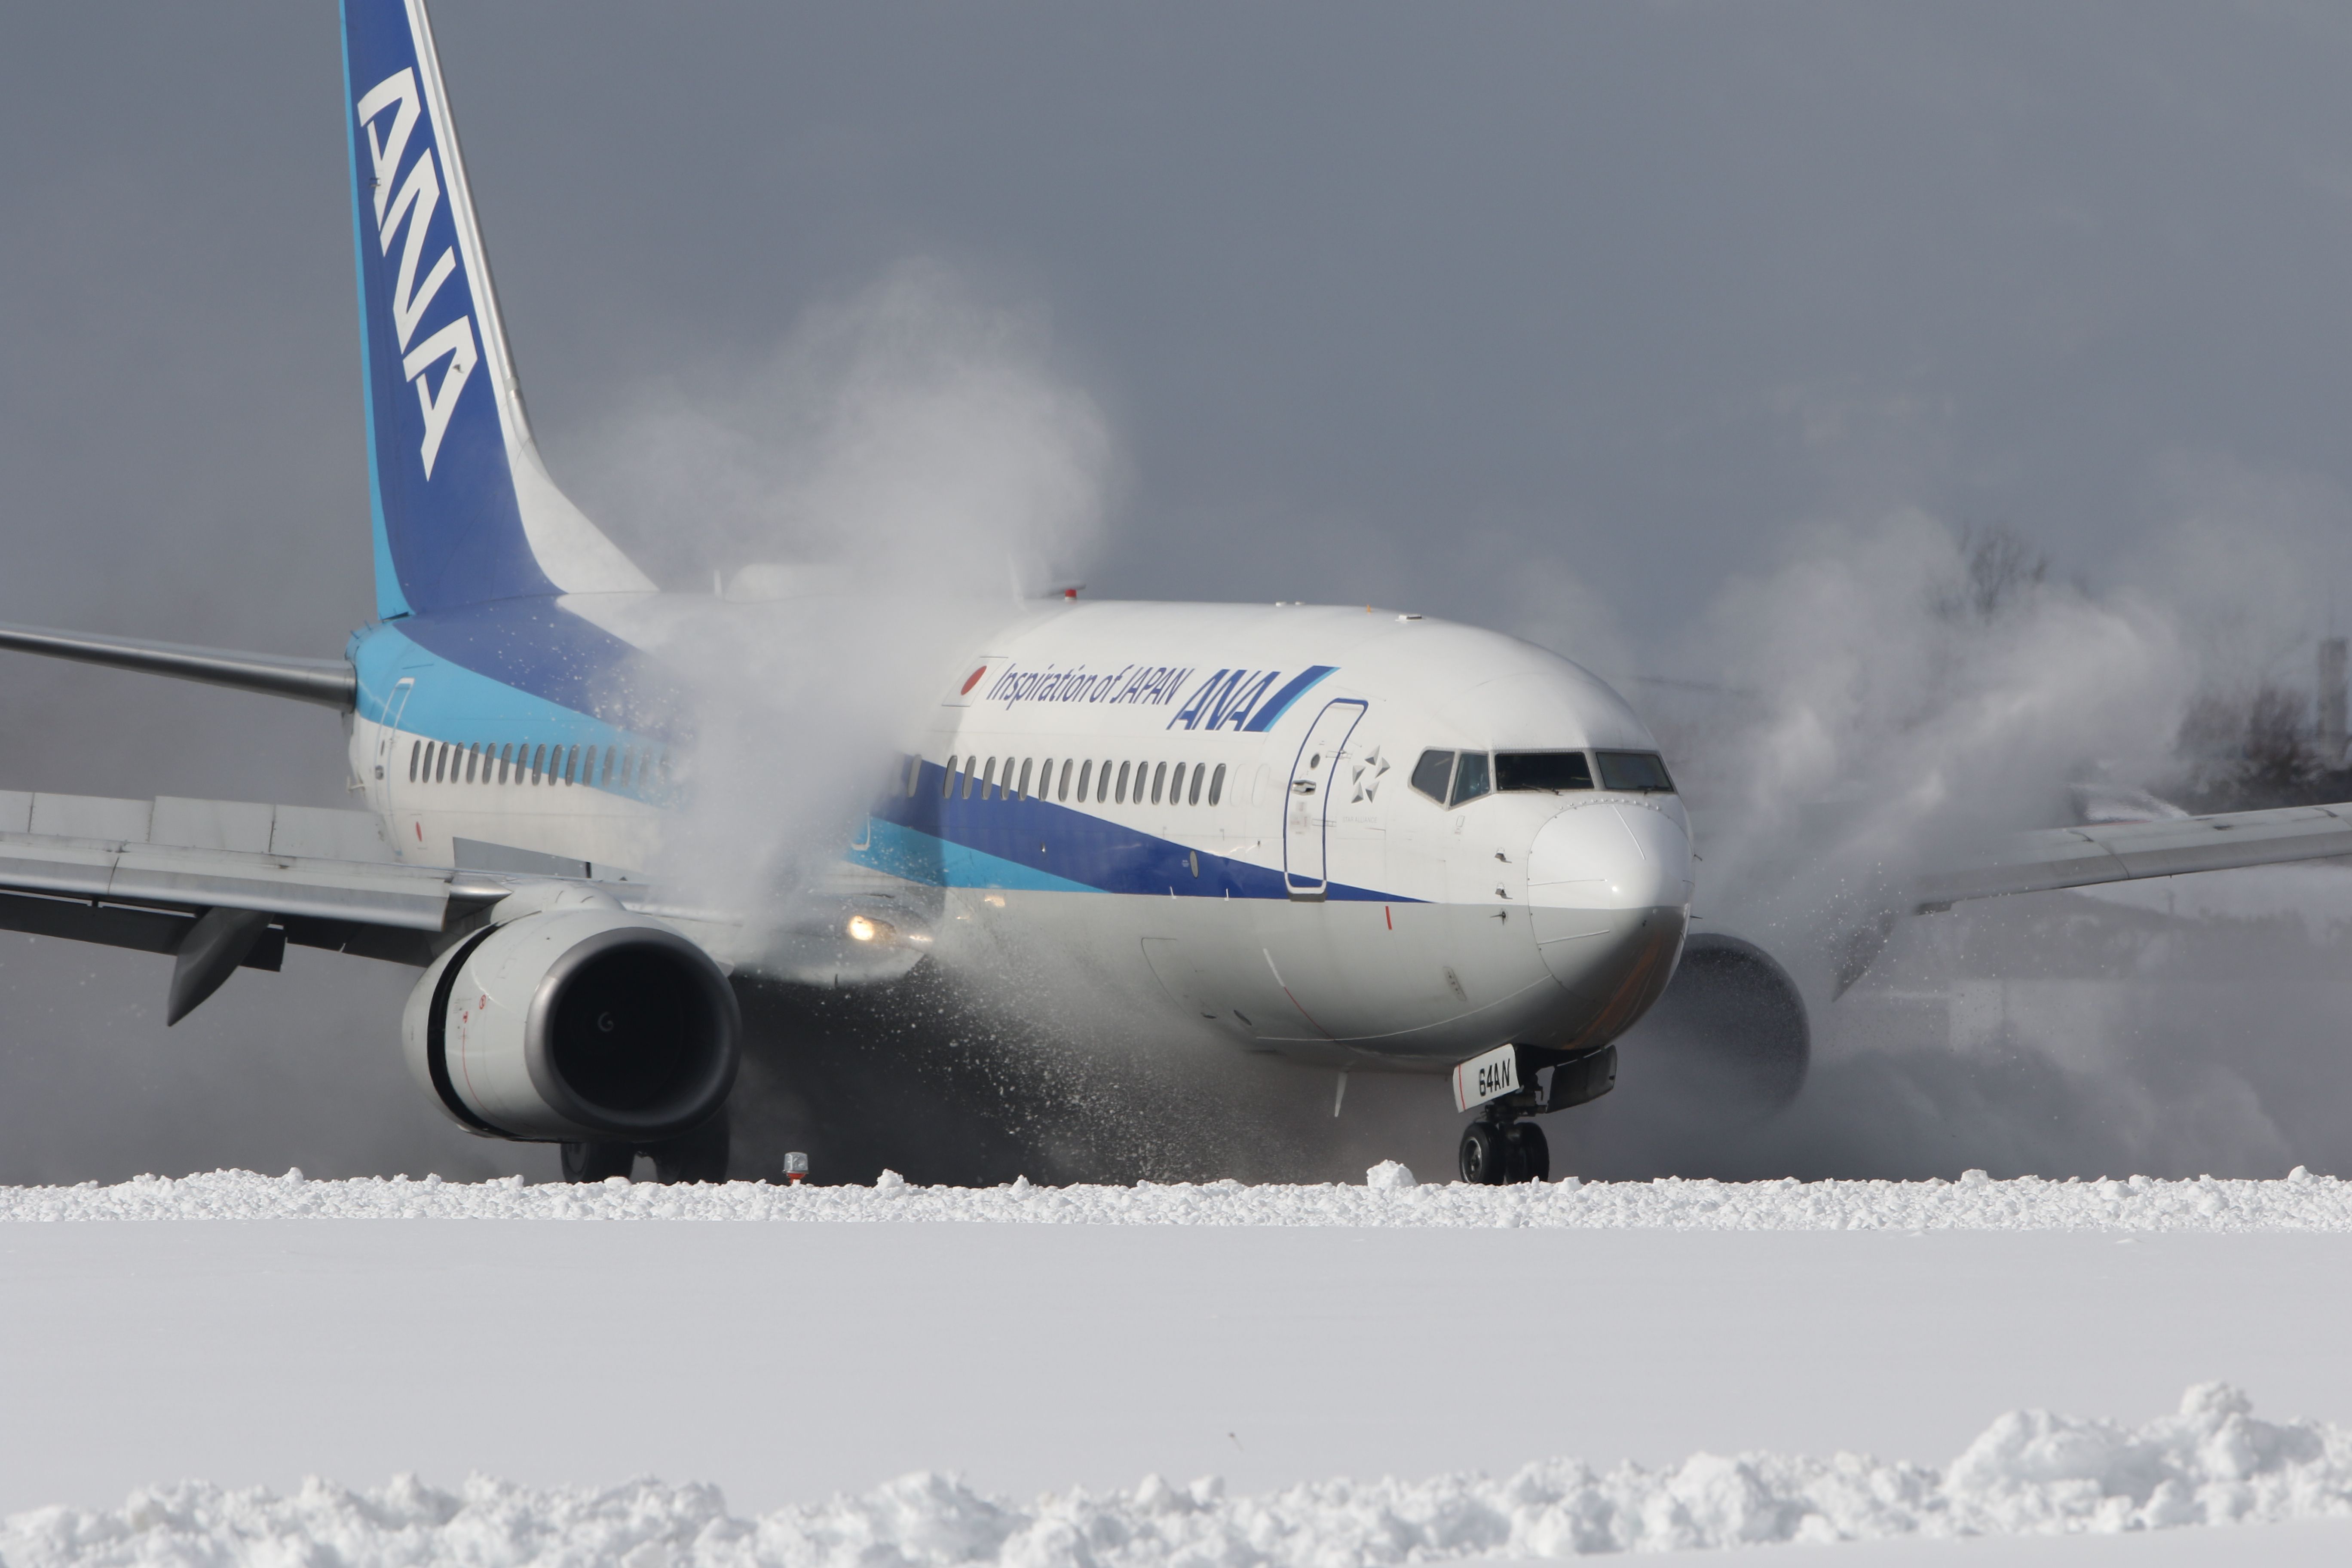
1296,892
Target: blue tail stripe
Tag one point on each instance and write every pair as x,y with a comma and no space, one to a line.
538,646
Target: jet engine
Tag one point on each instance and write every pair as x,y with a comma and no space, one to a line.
575,1024
1728,1042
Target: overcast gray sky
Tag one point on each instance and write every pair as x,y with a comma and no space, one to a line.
1406,304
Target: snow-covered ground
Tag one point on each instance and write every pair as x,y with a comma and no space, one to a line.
1375,1373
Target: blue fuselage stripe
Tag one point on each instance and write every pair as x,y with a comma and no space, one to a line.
1280,703
527,669
948,841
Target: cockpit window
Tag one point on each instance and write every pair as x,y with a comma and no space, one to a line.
1432,774
1471,779
1642,770
1542,770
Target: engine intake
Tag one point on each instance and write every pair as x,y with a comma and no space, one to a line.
575,1024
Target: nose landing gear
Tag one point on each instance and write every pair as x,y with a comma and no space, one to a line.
1499,1147
1496,1152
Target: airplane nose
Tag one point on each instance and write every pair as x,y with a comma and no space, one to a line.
1605,856
1609,890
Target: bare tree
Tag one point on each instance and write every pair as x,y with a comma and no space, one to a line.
1998,566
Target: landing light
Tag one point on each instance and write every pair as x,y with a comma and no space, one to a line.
865,927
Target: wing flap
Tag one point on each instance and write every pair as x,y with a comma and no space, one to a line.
413,897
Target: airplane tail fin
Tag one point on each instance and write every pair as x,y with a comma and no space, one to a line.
464,510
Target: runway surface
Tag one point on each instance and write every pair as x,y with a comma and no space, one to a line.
785,1362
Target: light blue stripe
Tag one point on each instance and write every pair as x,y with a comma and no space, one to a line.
389,600
462,705
919,858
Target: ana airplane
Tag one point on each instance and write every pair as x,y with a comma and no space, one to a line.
1357,838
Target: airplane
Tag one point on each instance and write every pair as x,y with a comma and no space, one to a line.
1353,837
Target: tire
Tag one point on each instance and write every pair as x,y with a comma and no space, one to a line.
696,1156
1484,1155
598,1161
1530,1152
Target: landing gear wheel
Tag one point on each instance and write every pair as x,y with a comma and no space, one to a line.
598,1161
1530,1152
1486,1154
696,1156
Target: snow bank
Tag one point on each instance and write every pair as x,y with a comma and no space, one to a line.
2030,1473
2300,1202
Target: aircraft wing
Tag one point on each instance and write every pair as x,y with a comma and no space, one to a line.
228,884
223,884
2125,851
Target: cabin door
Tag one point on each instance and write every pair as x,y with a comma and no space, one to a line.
1307,809
391,756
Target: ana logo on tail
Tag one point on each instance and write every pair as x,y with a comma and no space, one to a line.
419,197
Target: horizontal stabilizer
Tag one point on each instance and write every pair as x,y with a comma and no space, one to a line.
327,681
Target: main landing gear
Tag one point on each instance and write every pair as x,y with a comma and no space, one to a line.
1512,1083
696,1156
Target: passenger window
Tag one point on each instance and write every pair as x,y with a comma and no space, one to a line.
947,777
1192,797
1085,781
1123,770
1642,770
608,767
1471,779
1542,770
1159,777
988,781
1217,783
1066,765
502,764
1022,793
539,765
472,757
415,756
1102,783
1431,774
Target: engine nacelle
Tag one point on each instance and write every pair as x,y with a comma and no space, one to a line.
579,1024
1729,1041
